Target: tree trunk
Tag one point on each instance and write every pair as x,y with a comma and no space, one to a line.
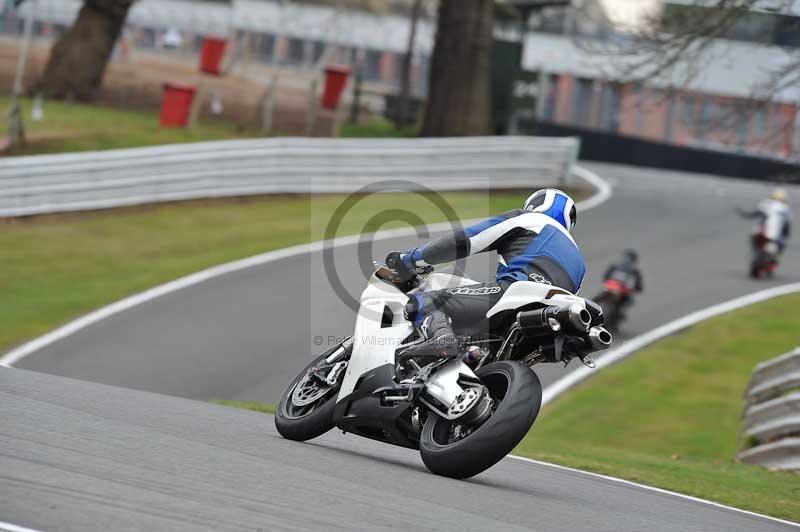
401,116
458,96
78,59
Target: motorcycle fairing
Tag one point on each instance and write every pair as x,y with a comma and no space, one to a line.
362,412
375,343
523,293
380,330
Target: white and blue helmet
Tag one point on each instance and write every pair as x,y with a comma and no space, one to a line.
555,204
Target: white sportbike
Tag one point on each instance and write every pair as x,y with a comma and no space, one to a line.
464,414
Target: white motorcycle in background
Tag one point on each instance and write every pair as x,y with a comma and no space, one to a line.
464,414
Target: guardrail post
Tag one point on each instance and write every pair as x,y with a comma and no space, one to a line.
311,116
571,160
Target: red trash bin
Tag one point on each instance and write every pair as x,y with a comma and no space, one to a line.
211,55
335,81
176,104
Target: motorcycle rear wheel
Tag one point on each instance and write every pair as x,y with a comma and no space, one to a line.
301,424
517,393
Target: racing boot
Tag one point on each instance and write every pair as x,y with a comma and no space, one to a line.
439,340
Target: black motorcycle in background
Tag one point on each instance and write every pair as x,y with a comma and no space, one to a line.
621,281
614,299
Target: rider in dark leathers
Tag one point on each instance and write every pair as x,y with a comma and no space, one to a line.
627,273
533,243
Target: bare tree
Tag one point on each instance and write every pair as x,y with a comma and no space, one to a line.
78,59
674,46
458,94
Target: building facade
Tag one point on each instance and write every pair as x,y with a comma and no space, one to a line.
721,99
287,34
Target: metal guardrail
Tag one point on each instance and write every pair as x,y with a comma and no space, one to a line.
771,419
773,377
96,180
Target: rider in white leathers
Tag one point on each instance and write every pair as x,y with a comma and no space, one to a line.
773,218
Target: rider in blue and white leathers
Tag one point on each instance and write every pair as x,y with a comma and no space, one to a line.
533,243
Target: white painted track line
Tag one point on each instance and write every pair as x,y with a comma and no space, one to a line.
10,527
656,490
634,344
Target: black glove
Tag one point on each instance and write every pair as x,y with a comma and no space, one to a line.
395,262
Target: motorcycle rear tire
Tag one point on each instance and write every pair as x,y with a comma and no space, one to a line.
520,393
315,423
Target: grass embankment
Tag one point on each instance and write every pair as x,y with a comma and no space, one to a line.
55,268
670,415
264,408
71,127
377,127
74,127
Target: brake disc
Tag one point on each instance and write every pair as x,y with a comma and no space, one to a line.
464,402
308,390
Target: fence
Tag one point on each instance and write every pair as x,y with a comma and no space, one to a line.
771,420
96,180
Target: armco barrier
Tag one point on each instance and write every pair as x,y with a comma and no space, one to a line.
95,180
771,419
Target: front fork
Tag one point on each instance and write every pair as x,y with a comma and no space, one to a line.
342,352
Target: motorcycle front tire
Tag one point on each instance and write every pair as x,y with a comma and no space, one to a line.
315,423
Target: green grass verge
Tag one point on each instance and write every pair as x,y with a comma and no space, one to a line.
378,127
71,127
55,268
670,415
264,408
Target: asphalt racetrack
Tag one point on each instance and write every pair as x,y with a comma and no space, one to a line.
244,335
78,455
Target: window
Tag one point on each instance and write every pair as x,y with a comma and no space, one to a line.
549,20
688,110
706,114
263,47
740,120
197,43
147,38
640,100
754,27
551,99
581,102
787,32
371,68
295,52
609,107
750,26
760,122
318,50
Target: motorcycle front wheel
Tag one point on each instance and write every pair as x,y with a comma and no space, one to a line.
517,395
301,422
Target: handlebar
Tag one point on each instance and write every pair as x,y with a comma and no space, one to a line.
403,282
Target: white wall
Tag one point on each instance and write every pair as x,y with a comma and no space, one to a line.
347,28
726,68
